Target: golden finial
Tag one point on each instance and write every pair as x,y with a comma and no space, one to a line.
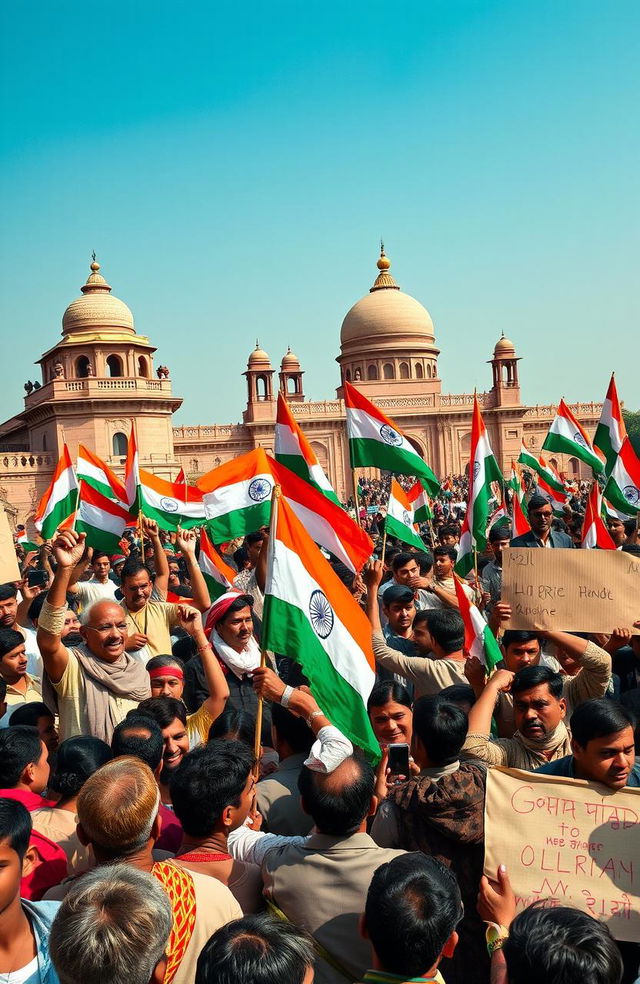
95,266
384,262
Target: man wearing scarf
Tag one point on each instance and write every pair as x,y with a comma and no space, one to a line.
95,683
539,709
229,627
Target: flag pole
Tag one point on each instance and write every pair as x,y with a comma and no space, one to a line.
355,495
257,742
75,515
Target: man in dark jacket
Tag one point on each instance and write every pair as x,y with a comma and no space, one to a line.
540,513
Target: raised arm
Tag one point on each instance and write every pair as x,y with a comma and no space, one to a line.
186,543
80,568
478,743
68,548
217,685
161,564
372,577
593,678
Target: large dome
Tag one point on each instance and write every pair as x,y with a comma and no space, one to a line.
97,309
386,310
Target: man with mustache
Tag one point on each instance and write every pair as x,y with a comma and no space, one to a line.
22,688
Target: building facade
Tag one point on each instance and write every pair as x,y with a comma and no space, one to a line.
99,378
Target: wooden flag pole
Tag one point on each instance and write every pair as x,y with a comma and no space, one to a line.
257,742
355,496
75,515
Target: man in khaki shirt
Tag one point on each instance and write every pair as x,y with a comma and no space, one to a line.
21,688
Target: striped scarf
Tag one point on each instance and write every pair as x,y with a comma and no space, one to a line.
178,884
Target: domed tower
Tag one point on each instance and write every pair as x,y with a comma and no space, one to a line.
387,341
504,364
259,375
290,377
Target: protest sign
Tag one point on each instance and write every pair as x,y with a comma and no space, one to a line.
573,590
9,570
568,842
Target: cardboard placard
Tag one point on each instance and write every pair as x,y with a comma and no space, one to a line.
571,590
9,570
566,841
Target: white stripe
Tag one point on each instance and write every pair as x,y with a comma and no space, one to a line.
86,469
397,511
363,426
590,538
65,484
483,451
208,567
317,474
612,424
101,520
286,441
562,427
229,498
479,625
321,531
192,510
291,583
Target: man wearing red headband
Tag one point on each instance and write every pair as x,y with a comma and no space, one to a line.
229,627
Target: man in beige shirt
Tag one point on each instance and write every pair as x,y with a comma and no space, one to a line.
21,687
278,796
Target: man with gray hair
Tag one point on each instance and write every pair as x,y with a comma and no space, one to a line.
113,926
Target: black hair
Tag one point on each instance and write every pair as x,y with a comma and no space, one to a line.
19,747
630,525
252,538
293,730
424,560
184,649
207,780
402,558
447,628
240,557
234,724
562,945
30,713
451,529
163,661
338,804
131,567
256,950
15,826
444,551
9,640
421,617
598,718
413,906
537,501
3,689
459,693
441,727
163,710
499,531
386,692
512,636
242,601
7,591
631,548
98,555
33,613
534,676
76,760
127,739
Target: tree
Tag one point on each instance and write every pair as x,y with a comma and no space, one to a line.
632,423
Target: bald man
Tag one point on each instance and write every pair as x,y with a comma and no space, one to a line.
97,682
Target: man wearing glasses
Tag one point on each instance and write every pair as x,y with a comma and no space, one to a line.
542,535
97,682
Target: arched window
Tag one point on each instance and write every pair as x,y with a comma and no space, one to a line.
114,365
554,462
428,370
372,372
419,371
143,367
435,370
82,367
388,371
292,385
44,443
120,444
574,465
348,375
261,387
404,370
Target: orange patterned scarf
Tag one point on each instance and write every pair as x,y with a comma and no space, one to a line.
178,884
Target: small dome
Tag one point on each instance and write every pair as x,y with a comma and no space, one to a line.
504,346
289,360
97,309
259,358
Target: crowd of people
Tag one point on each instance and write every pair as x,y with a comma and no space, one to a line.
150,832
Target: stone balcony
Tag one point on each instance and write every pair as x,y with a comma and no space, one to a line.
95,387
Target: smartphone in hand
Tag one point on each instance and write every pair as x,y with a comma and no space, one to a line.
398,759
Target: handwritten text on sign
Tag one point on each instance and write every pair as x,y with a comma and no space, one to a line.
568,842
575,590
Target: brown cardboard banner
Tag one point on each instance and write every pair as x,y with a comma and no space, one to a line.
572,590
568,842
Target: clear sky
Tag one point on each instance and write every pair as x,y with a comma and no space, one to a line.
235,165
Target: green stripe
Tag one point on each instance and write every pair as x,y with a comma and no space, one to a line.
215,588
602,441
465,564
100,487
423,515
239,522
402,532
564,445
492,653
287,630
99,539
613,493
63,509
367,453
28,546
169,521
297,464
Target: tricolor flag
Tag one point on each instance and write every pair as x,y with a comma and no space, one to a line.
58,505
400,519
93,471
549,490
611,431
218,575
237,501
101,518
537,464
132,475
26,544
422,506
374,440
310,616
293,450
594,532
500,517
479,641
623,486
181,478
519,520
567,436
170,504
483,470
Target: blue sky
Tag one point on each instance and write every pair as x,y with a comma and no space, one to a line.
234,167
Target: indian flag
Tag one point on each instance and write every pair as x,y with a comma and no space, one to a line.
567,436
594,532
24,541
93,471
540,467
132,475
101,518
310,616
623,486
218,575
170,504
237,501
611,431
400,518
422,505
479,641
558,499
519,520
374,440
58,505
498,518
483,470
293,450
